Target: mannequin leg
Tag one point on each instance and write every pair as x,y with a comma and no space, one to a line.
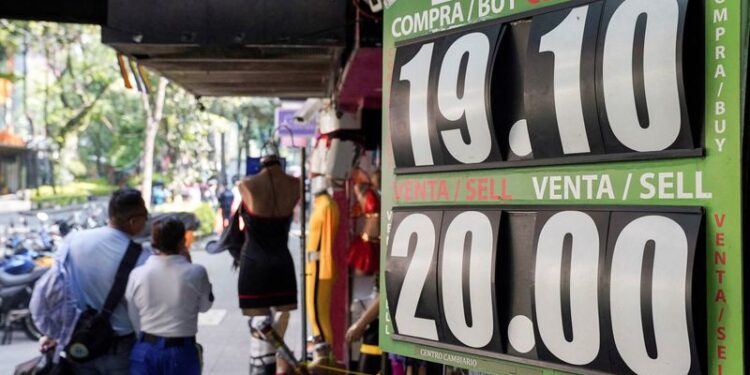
318,304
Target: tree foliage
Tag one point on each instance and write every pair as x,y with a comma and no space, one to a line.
253,117
76,107
67,77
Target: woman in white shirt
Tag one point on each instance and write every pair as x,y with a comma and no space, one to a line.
164,298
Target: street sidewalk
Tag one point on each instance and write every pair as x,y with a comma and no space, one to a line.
223,331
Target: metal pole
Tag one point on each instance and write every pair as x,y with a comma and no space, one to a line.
223,165
303,258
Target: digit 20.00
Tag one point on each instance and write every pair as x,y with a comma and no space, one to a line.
597,289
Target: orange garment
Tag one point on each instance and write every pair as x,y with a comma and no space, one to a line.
321,270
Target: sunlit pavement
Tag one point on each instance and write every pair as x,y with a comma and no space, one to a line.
21,350
224,335
227,344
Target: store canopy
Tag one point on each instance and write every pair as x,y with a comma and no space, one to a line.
293,72
289,48
7,150
11,143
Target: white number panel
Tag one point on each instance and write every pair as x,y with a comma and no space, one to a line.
440,101
560,92
413,276
602,81
469,248
615,290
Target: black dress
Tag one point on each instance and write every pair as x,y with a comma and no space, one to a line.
267,277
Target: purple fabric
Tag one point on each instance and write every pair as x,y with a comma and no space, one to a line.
398,364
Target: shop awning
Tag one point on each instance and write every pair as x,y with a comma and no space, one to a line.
293,72
9,150
290,48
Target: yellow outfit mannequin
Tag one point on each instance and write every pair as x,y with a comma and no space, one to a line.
321,270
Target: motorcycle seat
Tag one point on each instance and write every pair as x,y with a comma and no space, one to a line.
8,280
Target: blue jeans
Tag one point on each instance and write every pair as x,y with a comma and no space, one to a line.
157,359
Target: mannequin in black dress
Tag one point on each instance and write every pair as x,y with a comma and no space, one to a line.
267,278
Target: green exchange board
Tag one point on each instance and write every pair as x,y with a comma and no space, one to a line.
563,185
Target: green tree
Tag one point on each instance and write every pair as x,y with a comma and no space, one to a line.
187,138
14,37
74,97
113,139
254,118
154,113
70,81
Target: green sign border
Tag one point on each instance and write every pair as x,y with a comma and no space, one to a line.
719,173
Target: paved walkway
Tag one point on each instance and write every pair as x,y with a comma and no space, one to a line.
223,332
227,344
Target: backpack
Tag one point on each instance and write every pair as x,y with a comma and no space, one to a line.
54,305
54,308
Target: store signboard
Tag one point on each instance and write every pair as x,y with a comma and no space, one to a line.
562,185
293,133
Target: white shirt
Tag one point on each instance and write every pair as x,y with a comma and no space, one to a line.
166,294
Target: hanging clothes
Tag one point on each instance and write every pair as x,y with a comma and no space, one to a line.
364,251
321,270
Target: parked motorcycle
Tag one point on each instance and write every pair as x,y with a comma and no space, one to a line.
15,295
26,257
27,254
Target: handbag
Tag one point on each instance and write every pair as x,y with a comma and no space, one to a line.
232,239
44,365
30,367
93,335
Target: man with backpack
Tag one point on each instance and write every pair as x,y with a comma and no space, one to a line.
79,304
